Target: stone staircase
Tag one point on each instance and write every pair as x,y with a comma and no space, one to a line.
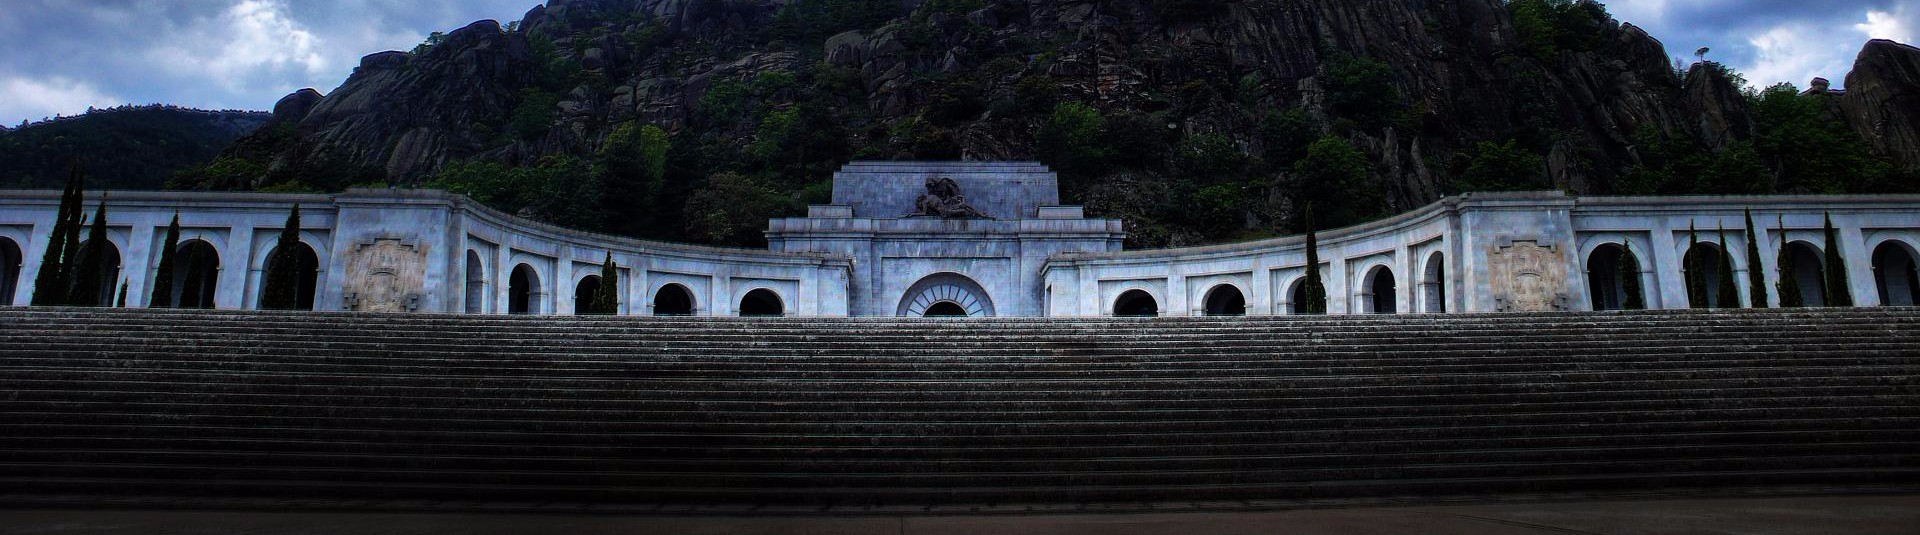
893,412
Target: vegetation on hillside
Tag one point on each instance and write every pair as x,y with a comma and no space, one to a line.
128,147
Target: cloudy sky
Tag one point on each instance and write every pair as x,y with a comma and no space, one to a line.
61,56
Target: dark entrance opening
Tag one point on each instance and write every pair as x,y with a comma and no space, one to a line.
762,303
1605,280
673,300
1896,276
196,275
1226,300
306,267
1383,292
109,289
1809,271
583,294
946,309
11,261
1708,259
520,290
1136,304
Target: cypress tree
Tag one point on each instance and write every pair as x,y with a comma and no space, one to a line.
1789,281
122,301
1630,279
1838,292
89,272
606,298
1756,279
1729,292
1315,300
1696,278
281,290
51,284
162,290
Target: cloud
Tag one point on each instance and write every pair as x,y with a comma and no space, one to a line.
1883,25
251,42
26,98
1784,54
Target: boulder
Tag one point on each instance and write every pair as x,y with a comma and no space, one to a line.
1882,102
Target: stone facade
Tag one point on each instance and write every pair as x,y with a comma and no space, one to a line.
980,239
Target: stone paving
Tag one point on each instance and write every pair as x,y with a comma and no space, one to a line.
1857,514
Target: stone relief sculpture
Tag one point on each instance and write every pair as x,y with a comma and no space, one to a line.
1528,277
385,275
943,200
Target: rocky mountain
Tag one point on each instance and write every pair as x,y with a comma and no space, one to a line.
129,147
1196,120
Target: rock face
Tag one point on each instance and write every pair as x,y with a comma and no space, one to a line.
1883,100
935,83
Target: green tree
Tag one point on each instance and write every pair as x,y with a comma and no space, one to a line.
1502,167
1756,278
282,287
1363,90
606,298
1839,291
1789,281
730,209
1315,299
162,290
89,270
1334,176
1070,141
1729,291
51,283
1630,278
1813,149
634,168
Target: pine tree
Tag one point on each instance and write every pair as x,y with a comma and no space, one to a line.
1756,278
1838,292
1315,300
162,289
606,298
1789,281
89,271
1728,292
1630,279
281,290
51,284
1696,275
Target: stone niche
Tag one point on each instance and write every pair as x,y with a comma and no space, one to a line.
386,275
1528,277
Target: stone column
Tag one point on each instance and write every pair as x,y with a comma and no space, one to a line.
1405,288
1177,301
1261,302
1853,248
1669,290
137,263
236,263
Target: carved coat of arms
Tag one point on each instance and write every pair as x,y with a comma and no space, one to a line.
1528,277
385,275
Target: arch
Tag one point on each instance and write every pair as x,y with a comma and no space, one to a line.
762,303
476,283
960,290
1896,274
523,290
1433,285
1297,296
306,269
109,274
1605,282
946,309
1809,271
673,299
1225,300
11,262
1136,303
1708,257
583,294
1379,291
196,274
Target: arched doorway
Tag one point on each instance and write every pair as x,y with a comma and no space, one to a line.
673,300
476,283
583,294
1606,281
1379,296
927,297
523,291
1225,300
11,262
109,284
1809,272
306,268
196,275
1433,285
1136,304
1707,258
762,303
1896,275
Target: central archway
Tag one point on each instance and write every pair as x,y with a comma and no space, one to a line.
941,295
